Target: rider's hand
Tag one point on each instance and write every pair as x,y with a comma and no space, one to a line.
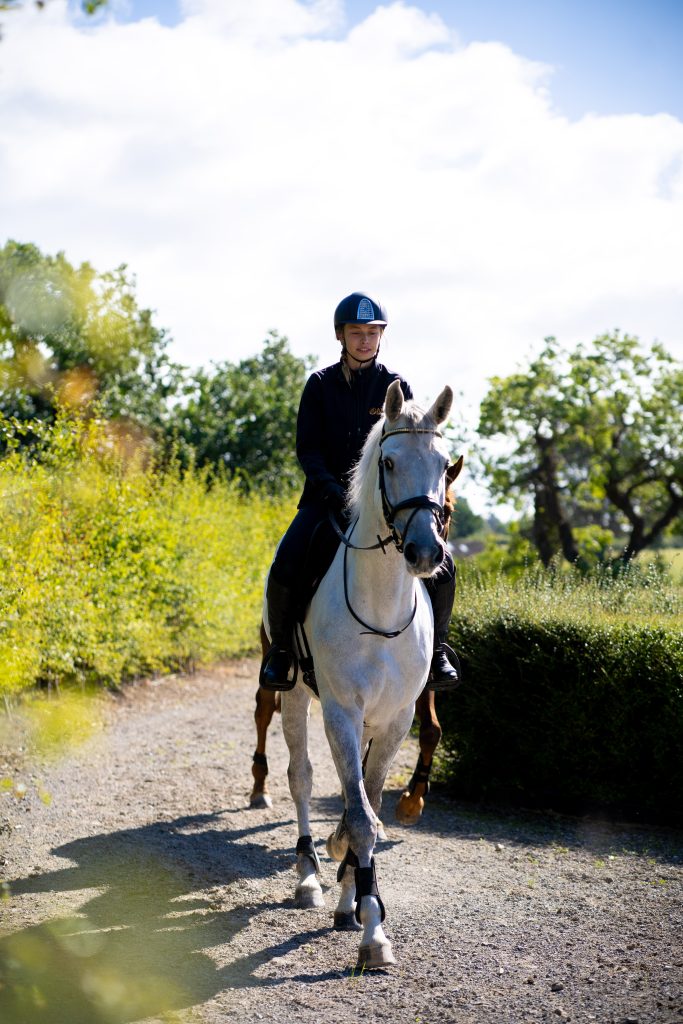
334,495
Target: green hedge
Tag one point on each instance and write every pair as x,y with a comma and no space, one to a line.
573,697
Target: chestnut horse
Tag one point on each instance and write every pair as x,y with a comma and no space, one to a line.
411,803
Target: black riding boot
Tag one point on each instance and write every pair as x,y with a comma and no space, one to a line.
445,672
275,670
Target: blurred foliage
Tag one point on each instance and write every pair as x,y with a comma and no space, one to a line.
591,438
111,567
242,417
74,339
465,522
573,691
70,336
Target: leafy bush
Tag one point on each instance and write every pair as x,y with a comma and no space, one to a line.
110,568
573,693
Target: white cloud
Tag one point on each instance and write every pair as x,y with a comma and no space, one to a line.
256,162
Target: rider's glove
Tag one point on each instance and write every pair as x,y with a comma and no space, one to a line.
334,495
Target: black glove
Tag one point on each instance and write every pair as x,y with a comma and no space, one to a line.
334,495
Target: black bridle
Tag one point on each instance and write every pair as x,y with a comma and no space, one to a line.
420,501
390,512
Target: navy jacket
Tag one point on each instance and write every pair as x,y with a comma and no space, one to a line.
335,417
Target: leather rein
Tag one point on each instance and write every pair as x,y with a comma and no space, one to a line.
389,512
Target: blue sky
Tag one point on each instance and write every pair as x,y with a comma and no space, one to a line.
494,173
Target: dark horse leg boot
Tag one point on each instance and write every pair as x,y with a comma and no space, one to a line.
278,671
445,672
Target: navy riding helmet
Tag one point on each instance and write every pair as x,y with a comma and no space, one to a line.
359,308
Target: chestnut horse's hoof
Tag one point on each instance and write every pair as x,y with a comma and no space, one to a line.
372,957
345,921
409,808
336,847
260,800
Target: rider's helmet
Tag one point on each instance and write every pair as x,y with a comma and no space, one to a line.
359,308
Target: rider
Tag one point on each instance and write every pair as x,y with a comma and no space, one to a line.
339,405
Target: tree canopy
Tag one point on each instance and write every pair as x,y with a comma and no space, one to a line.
70,336
590,437
242,416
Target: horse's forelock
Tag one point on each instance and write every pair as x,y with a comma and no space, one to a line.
364,473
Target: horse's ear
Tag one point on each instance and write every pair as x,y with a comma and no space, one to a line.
442,406
393,405
453,472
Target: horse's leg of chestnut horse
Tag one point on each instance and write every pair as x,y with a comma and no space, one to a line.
267,703
295,710
411,803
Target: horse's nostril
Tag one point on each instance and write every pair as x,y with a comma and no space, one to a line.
410,553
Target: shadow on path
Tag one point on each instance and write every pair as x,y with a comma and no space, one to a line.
136,946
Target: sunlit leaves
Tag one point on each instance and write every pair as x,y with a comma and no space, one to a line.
111,568
607,419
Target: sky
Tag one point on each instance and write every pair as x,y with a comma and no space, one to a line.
494,172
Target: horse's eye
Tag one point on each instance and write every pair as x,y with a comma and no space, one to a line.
388,464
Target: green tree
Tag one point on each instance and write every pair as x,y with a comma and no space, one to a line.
465,522
242,417
592,438
72,337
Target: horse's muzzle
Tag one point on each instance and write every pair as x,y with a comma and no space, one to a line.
423,559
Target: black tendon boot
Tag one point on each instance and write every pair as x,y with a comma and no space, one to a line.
278,670
445,672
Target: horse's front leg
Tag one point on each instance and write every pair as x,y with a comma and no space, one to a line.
295,710
411,803
360,893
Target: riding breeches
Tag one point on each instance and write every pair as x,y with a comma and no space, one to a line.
306,550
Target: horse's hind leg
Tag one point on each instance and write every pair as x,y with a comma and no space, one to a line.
295,710
267,703
411,804
266,706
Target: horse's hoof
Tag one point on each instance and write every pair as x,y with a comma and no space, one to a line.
345,921
409,809
371,957
381,834
336,848
260,801
308,899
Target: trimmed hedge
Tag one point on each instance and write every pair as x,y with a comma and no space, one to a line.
567,709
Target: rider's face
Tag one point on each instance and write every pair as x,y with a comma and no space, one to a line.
362,342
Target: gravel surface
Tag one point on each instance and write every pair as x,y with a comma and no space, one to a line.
143,888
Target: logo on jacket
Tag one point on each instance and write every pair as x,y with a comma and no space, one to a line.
376,410
365,310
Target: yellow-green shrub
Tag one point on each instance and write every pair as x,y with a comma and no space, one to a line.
112,568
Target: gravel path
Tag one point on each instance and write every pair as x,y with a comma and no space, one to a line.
146,890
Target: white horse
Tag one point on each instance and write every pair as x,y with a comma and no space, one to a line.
370,629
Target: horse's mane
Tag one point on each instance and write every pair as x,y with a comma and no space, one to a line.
363,475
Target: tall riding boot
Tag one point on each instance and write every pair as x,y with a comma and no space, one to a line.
445,672
275,670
